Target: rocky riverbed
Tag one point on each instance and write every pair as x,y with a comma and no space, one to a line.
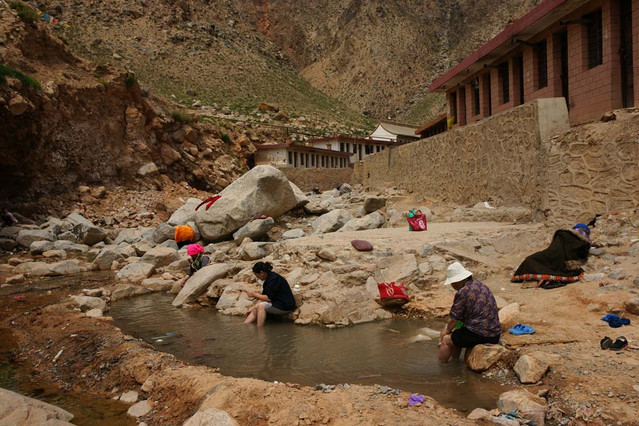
60,277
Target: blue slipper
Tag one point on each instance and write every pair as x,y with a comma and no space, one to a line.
520,329
615,321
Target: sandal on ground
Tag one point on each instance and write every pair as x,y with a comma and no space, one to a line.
620,343
606,343
520,329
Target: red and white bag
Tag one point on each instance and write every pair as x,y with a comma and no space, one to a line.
390,291
418,221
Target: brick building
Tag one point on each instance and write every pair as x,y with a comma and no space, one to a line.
581,50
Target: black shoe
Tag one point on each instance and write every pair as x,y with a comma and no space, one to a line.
620,343
606,343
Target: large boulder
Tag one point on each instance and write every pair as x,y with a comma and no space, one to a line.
185,214
28,236
264,190
210,416
530,369
199,282
254,229
163,232
106,257
160,256
89,234
76,218
39,247
68,267
135,272
331,221
482,357
397,268
301,198
10,232
86,303
632,305
372,221
34,269
19,410
372,204
528,405
255,251
508,315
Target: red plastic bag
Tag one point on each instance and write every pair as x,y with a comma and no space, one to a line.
418,222
392,291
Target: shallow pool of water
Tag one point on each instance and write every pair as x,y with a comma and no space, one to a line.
374,353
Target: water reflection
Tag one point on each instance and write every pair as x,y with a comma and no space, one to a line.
375,353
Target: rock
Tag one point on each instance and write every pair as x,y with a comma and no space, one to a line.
597,251
372,204
140,409
7,244
89,234
185,214
163,232
149,169
293,234
632,306
504,421
210,416
361,245
19,410
634,250
133,235
618,274
316,208
301,198
372,221
345,189
530,369
15,279
135,272
216,289
501,302
94,313
39,247
106,257
508,315
123,291
396,268
594,277
608,116
10,232
482,357
488,251
425,268
528,405
437,262
93,292
480,414
255,251
331,221
199,282
142,247
60,254
34,269
264,190
309,279
327,254
254,229
76,218
427,250
171,244
158,284
129,397
160,256
28,236
86,303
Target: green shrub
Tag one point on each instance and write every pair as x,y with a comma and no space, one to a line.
129,80
25,12
181,116
26,80
226,138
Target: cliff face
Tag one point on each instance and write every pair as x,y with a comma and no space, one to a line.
90,124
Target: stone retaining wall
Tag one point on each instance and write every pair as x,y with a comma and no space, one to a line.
321,178
498,158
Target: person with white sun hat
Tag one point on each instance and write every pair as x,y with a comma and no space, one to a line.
475,308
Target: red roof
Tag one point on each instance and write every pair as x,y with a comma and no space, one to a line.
302,148
546,9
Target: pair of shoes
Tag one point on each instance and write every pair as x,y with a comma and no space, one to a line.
520,329
615,321
619,344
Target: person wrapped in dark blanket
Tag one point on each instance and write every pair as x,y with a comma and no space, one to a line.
561,262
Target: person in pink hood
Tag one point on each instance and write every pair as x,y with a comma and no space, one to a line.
197,260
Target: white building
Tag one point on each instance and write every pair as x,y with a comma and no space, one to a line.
399,133
301,156
357,148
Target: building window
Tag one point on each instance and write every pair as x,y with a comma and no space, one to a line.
301,159
453,106
476,98
504,80
594,38
341,146
290,158
541,56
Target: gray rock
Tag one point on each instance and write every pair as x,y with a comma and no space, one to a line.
594,277
89,234
76,218
488,251
94,313
149,169
127,290
129,397
163,232
186,213
372,221
528,405
170,243
331,221
327,254
316,208
210,416
7,244
345,188
106,257
34,269
372,204
632,306
60,254
160,256
254,229
142,247
634,250
158,284
28,236
199,282
618,274
301,198
86,303
68,236
437,262
425,268
530,369
10,232
19,410
293,234
255,251
140,409
133,235
39,247
427,250
264,190
597,251
397,269
135,272
68,267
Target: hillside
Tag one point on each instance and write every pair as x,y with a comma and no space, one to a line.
323,60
